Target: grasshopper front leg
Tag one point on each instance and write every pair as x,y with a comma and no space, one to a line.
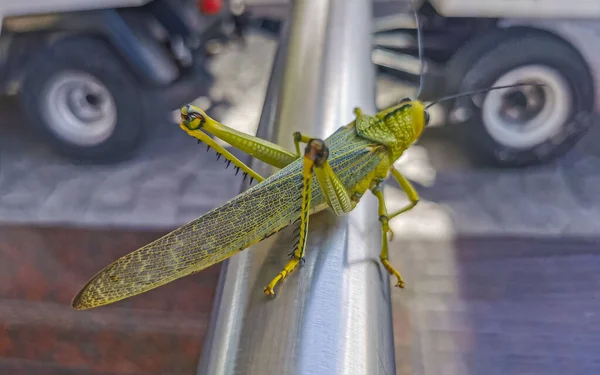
195,121
409,190
384,218
336,195
221,151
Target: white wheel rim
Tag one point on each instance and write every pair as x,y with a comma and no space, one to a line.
79,109
550,117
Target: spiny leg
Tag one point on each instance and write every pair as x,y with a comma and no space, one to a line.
385,228
333,189
203,137
194,119
315,155
299,138
409,190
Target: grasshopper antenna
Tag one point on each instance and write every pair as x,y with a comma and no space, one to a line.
481,91
455,96
419,47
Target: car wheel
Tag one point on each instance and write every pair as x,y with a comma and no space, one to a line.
80,98
524,125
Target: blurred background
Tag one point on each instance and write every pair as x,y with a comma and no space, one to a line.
501,254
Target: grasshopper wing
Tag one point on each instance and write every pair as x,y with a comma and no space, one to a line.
241,222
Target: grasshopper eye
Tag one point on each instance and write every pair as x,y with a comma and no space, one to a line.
405,100
426,118
189,120
194,116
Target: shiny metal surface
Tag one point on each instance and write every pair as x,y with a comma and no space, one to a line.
333,315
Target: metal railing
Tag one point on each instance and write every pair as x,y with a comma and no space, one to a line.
332,315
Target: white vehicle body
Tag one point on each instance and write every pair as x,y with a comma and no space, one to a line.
16,8
576,21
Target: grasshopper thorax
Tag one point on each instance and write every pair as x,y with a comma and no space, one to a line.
408,116
396,127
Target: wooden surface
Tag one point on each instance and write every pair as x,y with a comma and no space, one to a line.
476,305
159,332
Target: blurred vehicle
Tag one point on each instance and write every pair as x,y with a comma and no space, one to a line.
94,77
471,45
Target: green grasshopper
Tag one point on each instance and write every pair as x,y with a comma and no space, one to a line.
358,157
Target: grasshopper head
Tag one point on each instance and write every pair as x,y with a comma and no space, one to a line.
408,117
396,127
192,118
317,151
420,117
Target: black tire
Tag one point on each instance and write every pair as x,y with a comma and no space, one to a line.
95,57
485,59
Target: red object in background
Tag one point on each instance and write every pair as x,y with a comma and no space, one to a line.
210,6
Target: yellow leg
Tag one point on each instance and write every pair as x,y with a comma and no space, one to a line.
196,123
409,190
194,119
333,189
299,137
315,156
289,268
203,137
385,229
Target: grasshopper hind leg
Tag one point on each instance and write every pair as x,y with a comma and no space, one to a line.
337,197
315,156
